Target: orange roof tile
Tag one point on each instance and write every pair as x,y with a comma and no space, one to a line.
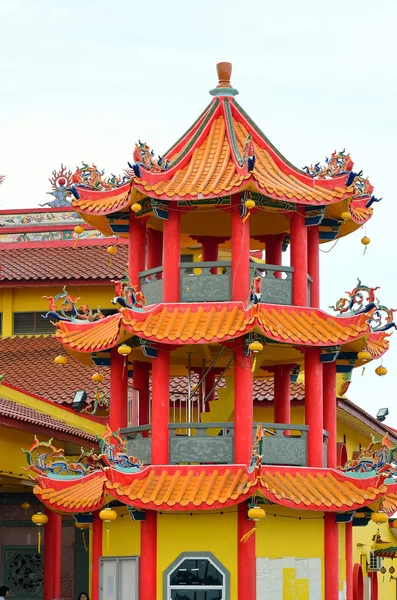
378,343
208,162
194,487
214,322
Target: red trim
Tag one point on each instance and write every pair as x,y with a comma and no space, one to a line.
46,431
331,557
341,454
299,258
243,408
246,556
41,228
329,398
314,406
160,407
349,560
118,390
148,557
18,283
34,210
96,555
53,556
358,582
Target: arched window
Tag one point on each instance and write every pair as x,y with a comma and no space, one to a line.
196,576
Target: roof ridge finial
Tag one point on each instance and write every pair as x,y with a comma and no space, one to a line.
224,70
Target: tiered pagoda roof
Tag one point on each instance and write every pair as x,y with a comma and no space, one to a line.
224,152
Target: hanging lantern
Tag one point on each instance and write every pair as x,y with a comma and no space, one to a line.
256,513
136,207
39,519
25,506
124,350
78,230
108,515
249,205
364,355
381,370
346,216
255,347
112,250
365,242
379,518
97,378
61,359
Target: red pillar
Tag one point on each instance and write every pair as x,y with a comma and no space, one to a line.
160,407
210,251
148,557
240,253
136,249
52,556
313,262
331,557
349,560
141,383
243,406
96,555
118,390
282,400
171,257
329,391
299,258
246,551
374,586
154,248
274,251
314,406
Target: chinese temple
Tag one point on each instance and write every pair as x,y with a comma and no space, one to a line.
232,466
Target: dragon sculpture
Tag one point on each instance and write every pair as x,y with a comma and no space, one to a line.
127,296
91,177
379,456
69,311
53,462
145,157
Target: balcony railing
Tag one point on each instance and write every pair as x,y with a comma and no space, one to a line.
213,443
211,282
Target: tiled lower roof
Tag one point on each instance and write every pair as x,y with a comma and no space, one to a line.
63,262
195,488
28,363
12,410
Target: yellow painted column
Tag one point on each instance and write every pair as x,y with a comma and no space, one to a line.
7,312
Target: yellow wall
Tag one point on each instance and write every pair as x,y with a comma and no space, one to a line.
124,536
179,532
362,542
11,456
29,299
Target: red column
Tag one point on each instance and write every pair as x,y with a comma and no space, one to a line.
148,557
240,253
136,249
313,262
314,406
141,383
374,586
160,407
154,248
329,391
282,400
349,560
118,390
52,556
210,251
96,555
331,557
171,257
243,406
299,258
274,251
246,551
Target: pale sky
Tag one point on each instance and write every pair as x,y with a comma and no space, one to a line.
83,80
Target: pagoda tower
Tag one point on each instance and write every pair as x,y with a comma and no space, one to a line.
197,305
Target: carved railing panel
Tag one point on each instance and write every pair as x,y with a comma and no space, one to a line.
139,446
152,285
205,281
280,449
200,446
23,571
274,290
